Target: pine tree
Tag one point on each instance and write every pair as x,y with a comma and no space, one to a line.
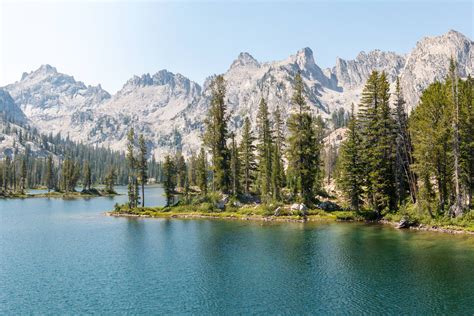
142,165
132,170
466,135
23,176
247,149
431,134
319,134
457,207
234,166
302,153
201,171
180,167
216,135
110,179
378,136
278,171
50,174
169,183
87,181
192,163
351,177
264,149
405,177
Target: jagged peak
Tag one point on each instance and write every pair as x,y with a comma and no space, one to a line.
457,34
47,68
160,78
245,59
43,70
452,36
304,58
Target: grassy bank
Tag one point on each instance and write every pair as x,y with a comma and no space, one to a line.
264,212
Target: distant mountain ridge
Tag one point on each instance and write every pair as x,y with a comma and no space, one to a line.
170,108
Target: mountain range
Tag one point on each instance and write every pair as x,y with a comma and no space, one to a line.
169,109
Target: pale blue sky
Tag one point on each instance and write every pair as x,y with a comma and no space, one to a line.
108,42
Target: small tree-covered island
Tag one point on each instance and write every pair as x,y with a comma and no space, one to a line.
410,169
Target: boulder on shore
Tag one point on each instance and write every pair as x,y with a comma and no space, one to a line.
300,208
277,211
329,206
405,222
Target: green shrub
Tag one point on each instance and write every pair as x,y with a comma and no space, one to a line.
344,215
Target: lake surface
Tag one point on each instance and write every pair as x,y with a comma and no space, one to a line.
65,256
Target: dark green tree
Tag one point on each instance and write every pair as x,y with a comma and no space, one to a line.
234,166
216,135
87,177
278,170
264,150
302,154
201,171
351,176
169,184
247,157
132,164
50,179
405,177
142,165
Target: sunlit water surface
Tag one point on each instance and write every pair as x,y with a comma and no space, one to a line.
65,256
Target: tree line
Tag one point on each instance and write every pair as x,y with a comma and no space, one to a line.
59,164
426,159
264,165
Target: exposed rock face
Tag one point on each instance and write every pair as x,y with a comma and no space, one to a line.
352,74
9,110
51,99
170,109
429,62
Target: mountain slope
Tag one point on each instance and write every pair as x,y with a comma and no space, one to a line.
51,99
170,109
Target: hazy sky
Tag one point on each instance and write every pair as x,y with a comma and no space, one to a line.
108,42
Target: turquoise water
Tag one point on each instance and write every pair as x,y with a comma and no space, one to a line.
60,256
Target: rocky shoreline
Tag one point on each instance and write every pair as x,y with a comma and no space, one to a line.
421,227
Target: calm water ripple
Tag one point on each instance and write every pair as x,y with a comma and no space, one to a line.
65,256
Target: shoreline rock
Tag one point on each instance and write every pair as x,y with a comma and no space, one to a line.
305,219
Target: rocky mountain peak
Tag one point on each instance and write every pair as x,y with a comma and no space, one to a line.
244,59
170,109
304,58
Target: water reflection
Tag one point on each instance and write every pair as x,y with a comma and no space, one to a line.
65,256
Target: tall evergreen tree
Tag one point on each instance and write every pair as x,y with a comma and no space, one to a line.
133,197
142,165
466,135
180,167
247,152
457,207
405,176
431,133
23,176
278,171
87,177
234,166
50,180
351,177
110,179
378,137
201,172
264,149
216,135
302,152
169,183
